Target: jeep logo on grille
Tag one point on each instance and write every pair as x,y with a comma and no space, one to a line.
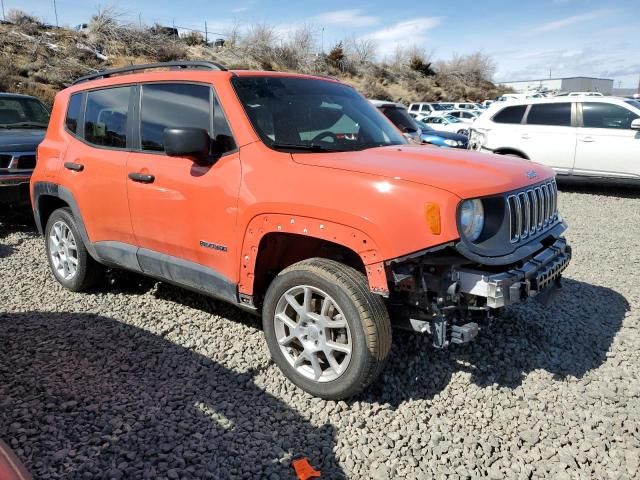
532,174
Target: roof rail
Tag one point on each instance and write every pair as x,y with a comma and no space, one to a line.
178,65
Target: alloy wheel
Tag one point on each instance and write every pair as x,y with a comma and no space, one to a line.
63,250
312,333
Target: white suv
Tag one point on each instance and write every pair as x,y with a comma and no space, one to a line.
427,109
581,137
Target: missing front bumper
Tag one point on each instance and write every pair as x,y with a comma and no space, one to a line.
513,286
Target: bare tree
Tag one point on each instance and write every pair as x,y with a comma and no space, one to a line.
360,50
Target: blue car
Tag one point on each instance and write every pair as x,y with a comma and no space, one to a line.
442,139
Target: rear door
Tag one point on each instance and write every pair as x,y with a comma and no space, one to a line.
184,213
549,136
95,161
606,144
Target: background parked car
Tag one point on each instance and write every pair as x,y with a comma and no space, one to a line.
399,116
469,115
442,138
465,106
23,121
427,108
580,137
447,123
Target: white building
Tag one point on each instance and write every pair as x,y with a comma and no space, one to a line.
568,84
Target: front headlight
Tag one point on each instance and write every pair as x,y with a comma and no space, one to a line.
471,219
452,143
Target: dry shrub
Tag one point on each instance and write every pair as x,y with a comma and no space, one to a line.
193,38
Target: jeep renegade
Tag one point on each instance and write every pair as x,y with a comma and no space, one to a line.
291,196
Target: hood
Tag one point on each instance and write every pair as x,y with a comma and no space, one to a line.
464,173
447,135
20,139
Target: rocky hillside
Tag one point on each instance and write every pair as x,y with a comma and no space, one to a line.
40,60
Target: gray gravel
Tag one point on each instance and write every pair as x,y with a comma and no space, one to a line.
144,380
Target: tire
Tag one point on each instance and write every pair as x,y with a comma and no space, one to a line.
355,320
62,226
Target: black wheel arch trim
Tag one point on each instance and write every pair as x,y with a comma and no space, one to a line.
43,189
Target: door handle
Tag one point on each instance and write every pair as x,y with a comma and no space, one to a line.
587,139
141,177
76,167
525,136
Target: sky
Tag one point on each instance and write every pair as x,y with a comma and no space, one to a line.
527,39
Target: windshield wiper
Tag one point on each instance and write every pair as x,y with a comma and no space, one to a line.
24,125
308,148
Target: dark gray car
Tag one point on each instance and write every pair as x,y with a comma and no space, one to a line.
23,122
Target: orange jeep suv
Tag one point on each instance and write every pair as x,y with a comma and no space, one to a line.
291,196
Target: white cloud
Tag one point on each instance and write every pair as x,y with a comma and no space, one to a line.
352,17
406,33
567,22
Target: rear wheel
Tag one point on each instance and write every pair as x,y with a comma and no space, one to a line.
71,264
325,330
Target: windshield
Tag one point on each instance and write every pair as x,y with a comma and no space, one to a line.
452,119
400,118
312,114
22,112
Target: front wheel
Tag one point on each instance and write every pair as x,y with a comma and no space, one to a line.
325,330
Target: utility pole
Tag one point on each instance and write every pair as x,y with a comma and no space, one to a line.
140,19
3,17
206,34
55,10
638,85
322,40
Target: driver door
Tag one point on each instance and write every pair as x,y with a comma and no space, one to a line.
183,213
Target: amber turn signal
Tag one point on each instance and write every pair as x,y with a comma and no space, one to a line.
432,215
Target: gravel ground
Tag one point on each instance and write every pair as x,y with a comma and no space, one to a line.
144,380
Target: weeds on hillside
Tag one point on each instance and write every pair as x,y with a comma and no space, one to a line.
40,60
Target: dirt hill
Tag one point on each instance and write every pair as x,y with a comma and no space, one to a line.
40,60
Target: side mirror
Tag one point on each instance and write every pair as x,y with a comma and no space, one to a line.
635,124
187,142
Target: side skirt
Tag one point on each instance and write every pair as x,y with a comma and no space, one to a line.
179,272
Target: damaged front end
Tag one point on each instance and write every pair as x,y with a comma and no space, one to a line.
450,290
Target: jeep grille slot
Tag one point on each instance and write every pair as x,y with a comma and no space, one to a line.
531,211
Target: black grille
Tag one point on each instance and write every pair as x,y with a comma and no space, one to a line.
27,162
532,210
5,160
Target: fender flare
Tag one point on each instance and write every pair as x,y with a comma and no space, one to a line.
349,237
41,189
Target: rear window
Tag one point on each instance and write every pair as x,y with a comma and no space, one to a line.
512,114
105,120
556,114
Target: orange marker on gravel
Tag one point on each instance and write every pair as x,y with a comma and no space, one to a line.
304,470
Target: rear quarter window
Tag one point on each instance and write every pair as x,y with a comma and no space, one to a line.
73,112
511,114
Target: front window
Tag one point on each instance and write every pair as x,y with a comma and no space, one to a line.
438,107
606,115
291,113
22,112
